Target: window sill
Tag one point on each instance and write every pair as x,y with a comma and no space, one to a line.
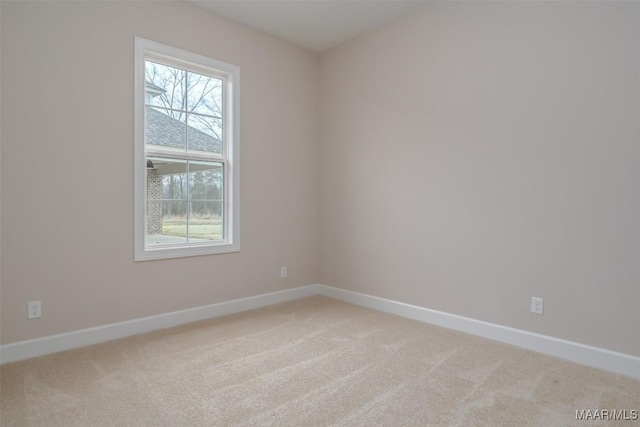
185,251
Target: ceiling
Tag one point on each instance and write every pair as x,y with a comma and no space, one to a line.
317,25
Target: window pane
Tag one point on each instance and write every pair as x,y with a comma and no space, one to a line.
173,224
164,86
166,201
173,177
204,134
206,181
206,221
204,95
165,129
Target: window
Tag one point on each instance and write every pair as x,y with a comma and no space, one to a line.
186,153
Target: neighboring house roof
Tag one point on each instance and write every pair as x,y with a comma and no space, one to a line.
166,131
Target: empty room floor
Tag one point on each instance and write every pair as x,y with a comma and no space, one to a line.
315,361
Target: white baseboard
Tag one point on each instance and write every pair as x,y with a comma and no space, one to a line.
580,353
55,343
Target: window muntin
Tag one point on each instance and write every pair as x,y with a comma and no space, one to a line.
189,148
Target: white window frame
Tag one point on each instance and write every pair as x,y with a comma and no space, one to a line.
147,49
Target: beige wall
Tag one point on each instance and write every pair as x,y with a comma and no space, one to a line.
67,166
0,168
468,157
475,155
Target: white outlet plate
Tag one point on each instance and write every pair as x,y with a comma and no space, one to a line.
537,305
34,309
283,272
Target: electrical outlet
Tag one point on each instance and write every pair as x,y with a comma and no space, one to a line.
34,309
283,272
537,305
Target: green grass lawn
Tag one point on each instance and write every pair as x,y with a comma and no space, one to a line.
199,227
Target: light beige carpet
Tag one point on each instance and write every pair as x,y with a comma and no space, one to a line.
312,362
